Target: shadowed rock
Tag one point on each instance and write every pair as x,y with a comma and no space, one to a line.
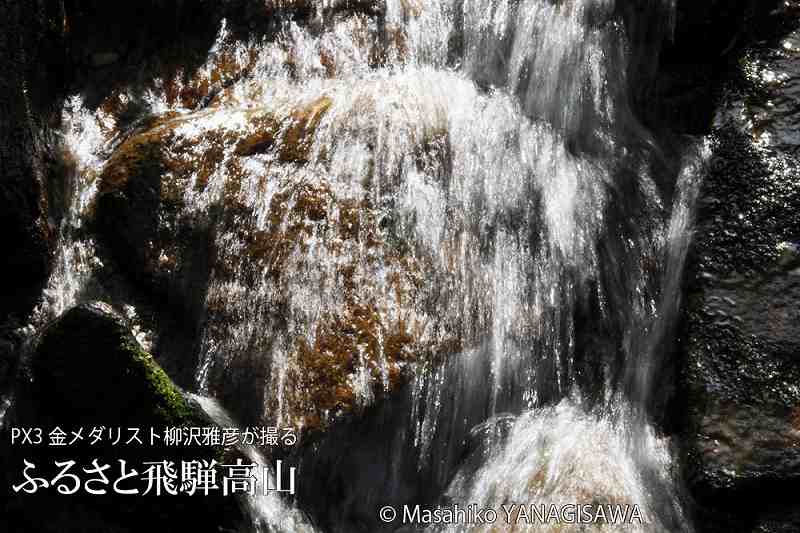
743,337
89,372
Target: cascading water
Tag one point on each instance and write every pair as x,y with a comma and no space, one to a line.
459,188
72,262
267,511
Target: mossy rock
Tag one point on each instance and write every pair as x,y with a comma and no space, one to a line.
88,369
89,372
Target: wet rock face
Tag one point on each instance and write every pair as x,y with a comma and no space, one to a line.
138,213
48,47
743,336
218,215
707,38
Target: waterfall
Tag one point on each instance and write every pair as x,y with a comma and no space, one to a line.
74,259
83,137
451,204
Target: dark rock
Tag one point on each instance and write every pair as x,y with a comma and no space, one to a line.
26,238
743,326
10,350
103,59
707,38
47,47
88,371
138,215
744,411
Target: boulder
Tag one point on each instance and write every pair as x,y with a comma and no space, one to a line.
743,323
307,297
87,372
89,369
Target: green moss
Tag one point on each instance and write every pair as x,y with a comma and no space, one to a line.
89,369
171,406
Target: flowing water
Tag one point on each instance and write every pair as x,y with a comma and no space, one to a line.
268,513
530,234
